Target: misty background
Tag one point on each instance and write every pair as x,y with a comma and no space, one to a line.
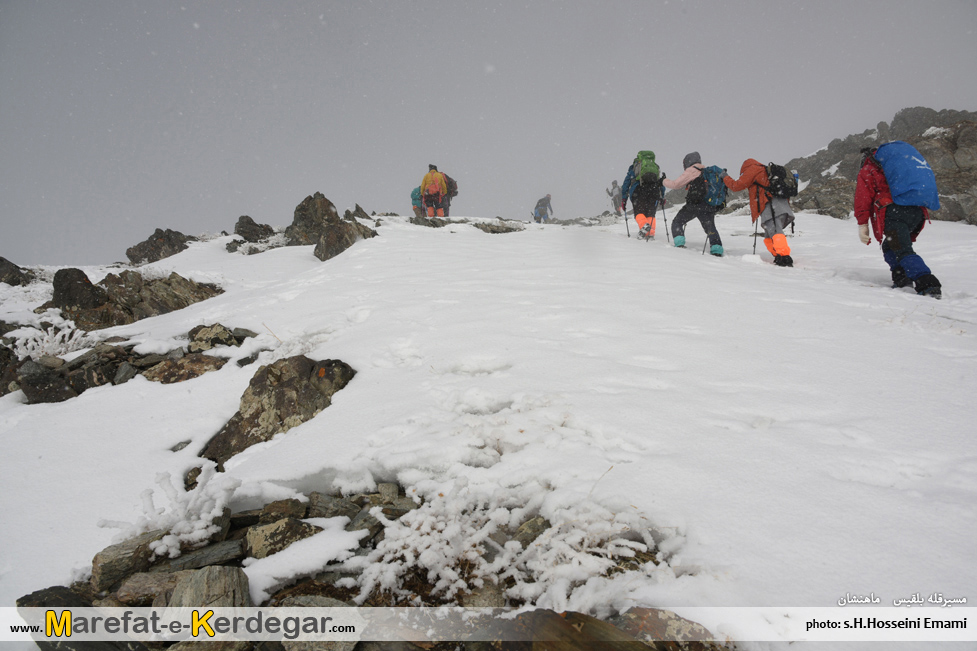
118,117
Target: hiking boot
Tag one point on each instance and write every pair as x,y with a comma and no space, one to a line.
783,261
928,285
900,279
679,241
644,230
716,250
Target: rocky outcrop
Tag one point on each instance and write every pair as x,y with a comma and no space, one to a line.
186,367
312,218
122,298
947,139
496,228
280,396
430,222
339,237
252,231
316,221
12,274
127,574
52,379
161,244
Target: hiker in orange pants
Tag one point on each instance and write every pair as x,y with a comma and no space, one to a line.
774,212
435,188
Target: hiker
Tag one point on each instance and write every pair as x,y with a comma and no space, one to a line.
642,186
896,225
543,210
434,189
774,212
452,192
615,194
416,202
702,200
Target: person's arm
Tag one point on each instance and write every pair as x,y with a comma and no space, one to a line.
865,191
690,174
740,184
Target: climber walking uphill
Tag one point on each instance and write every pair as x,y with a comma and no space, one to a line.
771,187
543,210
895,191
615,194
642,186
706,196
434,189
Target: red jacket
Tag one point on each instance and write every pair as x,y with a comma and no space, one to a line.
872,197
751,172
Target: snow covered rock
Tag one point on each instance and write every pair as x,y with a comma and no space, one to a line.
185,368
312,218
280,396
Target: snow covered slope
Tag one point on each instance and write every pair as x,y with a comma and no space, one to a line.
789,435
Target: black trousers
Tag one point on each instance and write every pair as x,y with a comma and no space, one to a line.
706,215
645,199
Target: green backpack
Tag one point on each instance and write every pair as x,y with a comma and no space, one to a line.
645,168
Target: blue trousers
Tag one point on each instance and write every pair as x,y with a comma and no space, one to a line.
901,223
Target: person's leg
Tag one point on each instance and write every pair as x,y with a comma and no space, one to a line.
684,216
900,224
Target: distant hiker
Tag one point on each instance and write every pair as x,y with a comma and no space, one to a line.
897,210
417,202
452,192
774,211
705,197
434,188
642,186
543,210
615,194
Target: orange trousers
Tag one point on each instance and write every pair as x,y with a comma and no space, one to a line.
643,219
777,245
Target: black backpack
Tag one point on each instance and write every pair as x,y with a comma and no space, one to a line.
781,182
452,186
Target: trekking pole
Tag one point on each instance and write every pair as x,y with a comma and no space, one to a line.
704,246
756,226
626,225
665,219
664,216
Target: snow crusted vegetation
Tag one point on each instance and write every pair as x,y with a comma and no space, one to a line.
691,430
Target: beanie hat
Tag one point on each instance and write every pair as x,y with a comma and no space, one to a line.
691,159
433,168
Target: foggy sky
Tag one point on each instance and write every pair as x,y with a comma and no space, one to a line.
118,117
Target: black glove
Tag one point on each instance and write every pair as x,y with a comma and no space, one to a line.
663,176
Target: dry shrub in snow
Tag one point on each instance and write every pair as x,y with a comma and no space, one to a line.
458,541
190,516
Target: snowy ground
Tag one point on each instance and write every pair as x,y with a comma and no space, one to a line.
790,435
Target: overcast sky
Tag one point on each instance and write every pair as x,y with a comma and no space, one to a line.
120,117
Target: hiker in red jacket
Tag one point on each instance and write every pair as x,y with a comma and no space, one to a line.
894,226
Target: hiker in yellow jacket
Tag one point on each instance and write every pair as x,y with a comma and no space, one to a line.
434,189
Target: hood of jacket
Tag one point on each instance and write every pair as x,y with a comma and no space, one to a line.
748,163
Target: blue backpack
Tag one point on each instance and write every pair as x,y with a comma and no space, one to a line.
715,188
910,178
708,188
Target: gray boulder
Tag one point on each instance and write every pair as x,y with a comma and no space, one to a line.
251,231
74,291
161,244
41,384
312,218
12,274
280,396
267,539
185,368
113,564
206,337
213,587
339,236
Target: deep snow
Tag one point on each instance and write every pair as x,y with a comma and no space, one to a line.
789,435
